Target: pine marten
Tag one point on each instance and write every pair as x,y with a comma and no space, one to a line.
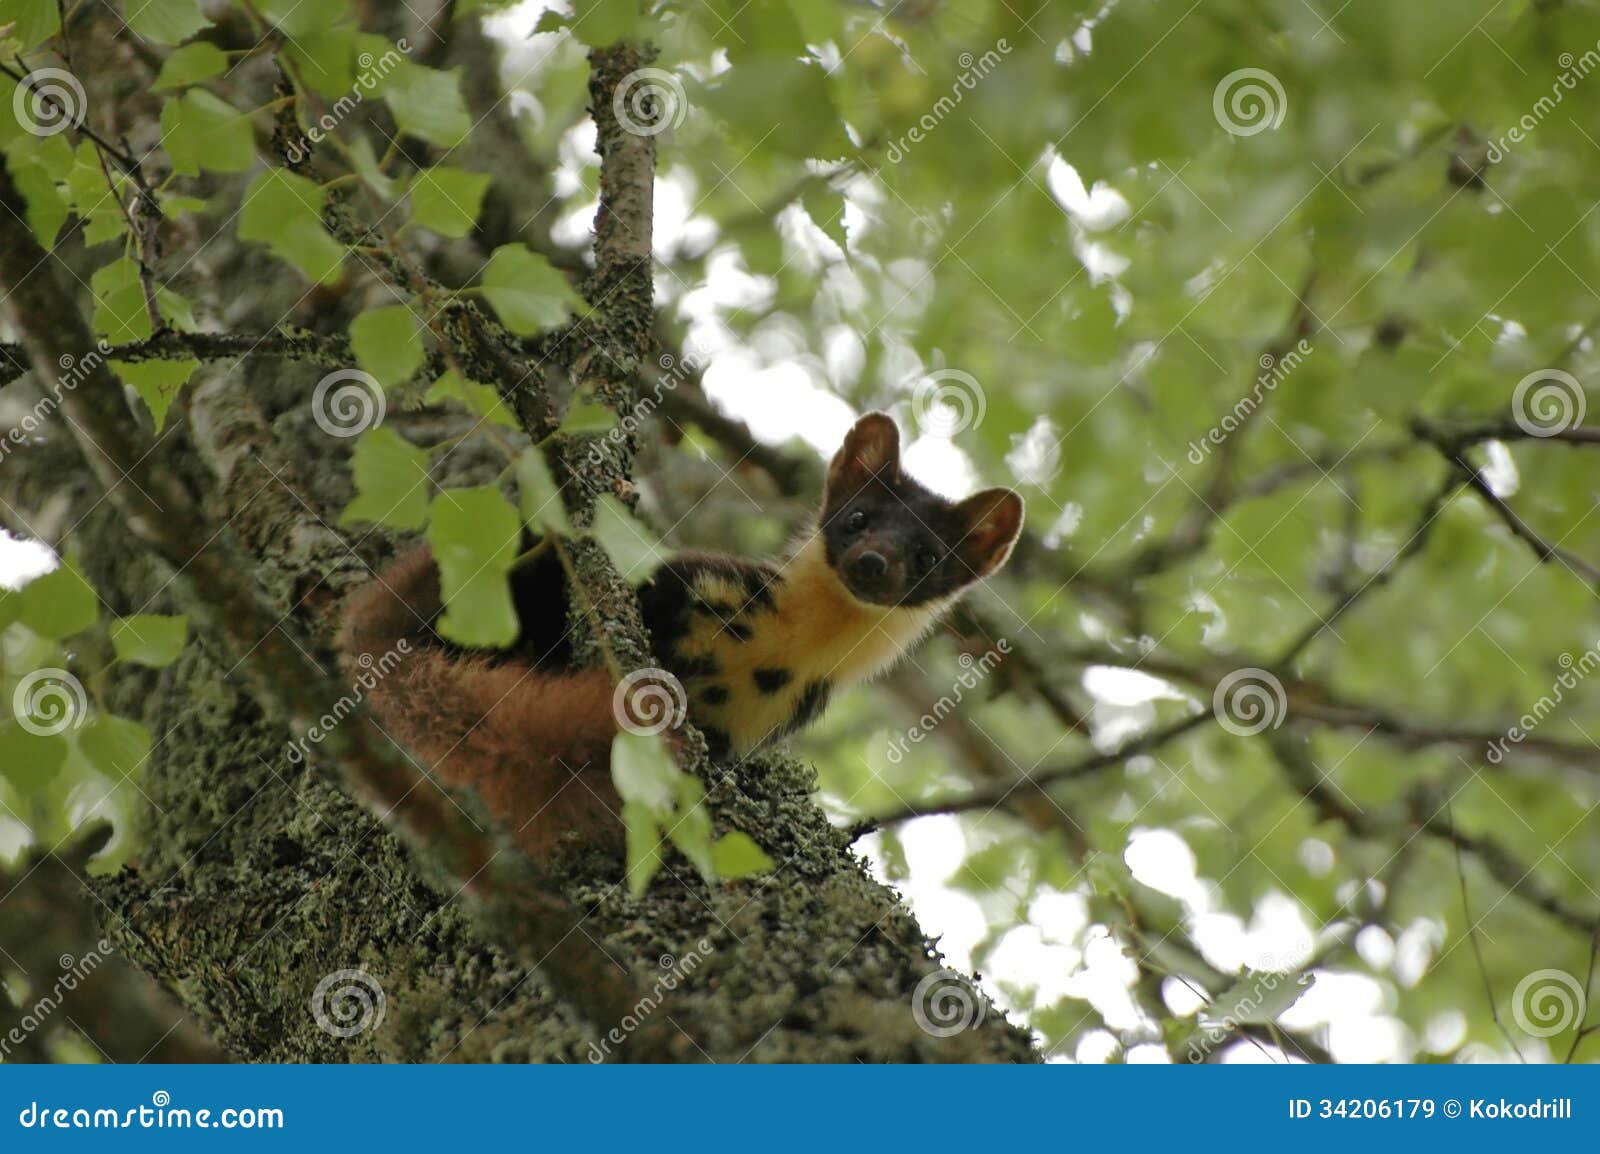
758,646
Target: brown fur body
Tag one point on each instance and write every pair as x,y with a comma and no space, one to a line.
758,647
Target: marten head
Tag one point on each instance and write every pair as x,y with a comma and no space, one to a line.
891,541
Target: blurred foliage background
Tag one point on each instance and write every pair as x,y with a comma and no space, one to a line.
1240,294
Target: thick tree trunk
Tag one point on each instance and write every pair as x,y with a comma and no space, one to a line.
265,893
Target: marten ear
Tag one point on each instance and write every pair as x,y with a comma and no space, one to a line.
871,449
994,522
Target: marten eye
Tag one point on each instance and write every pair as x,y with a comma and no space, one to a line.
926,560
856,520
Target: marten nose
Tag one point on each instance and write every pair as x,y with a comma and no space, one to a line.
869,566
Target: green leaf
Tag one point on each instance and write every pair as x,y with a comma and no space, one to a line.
527,291
477,398
643,846
47,211
149,639
736,855
633,548
427,103
583,416
1258,997
542,507
36,20
31,760
156,382
285,211
190,65
164,21
120,314
391,478
325,58
474,534
690,830
387,343
447,200
115,746
644,773
60,603
603,22
199,131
